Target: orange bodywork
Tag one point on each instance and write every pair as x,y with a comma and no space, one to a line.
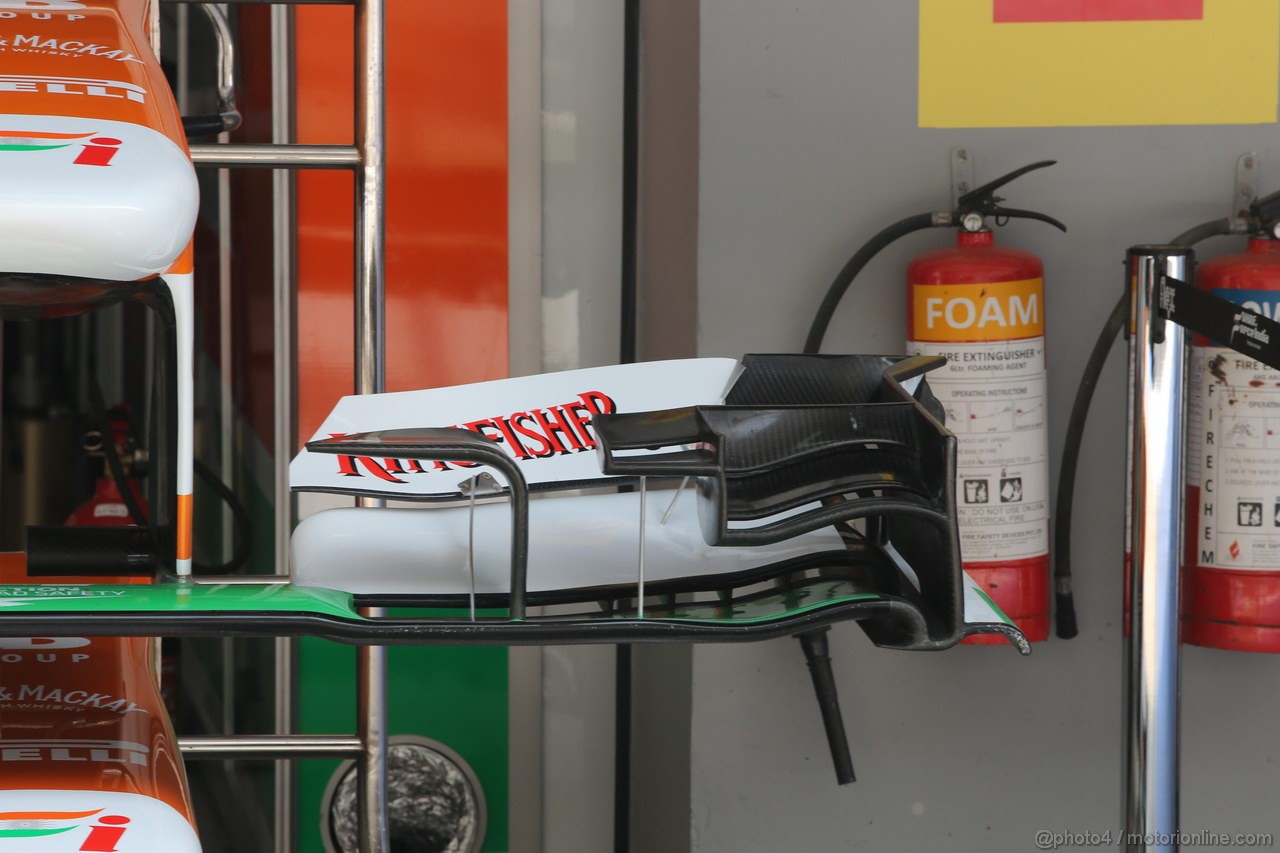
85,713
91,60
71,61
69,705
88,718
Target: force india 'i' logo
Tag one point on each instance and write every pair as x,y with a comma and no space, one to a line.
105,831
94,150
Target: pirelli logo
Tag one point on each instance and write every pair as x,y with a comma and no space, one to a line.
89,87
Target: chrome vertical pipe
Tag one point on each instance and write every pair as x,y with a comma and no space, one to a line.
370,378
1157,361
285,363
182,60
226,353
371,711
284,295
153,28
370,125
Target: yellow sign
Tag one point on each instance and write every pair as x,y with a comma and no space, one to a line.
980,69
1004,311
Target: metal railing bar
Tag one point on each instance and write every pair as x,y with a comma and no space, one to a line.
269,746
268,156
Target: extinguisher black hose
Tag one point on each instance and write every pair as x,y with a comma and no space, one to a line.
896,231
242,523
1063,590
1203,231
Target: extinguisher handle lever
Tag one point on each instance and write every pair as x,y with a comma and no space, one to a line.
1014,213
982,199
1266,211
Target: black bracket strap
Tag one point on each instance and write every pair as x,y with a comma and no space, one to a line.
1227,324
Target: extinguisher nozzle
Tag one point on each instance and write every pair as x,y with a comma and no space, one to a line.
1066,615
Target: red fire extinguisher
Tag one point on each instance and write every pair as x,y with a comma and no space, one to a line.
1231,574
109,506
982,306
117,501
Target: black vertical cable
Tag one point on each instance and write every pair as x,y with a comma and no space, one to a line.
627,354
630,180
622,751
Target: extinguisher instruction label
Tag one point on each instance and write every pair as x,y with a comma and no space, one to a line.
1233,457
994,396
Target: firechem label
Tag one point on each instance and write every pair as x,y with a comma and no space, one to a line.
994,396
1233,456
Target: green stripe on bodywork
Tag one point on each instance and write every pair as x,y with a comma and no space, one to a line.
32,833
791,603
30,147
286,598
176,598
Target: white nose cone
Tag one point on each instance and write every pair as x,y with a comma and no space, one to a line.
92,198
57,821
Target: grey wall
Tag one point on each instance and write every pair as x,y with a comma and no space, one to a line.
581,228
808,146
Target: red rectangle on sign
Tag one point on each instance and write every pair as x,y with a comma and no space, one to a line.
1061,11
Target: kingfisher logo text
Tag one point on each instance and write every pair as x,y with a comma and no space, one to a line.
89,87
105,830
538,433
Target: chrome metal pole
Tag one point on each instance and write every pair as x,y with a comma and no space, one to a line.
243,155
226,373
370,368
1157,360
371,710
269,746
370,199
284,299
153,29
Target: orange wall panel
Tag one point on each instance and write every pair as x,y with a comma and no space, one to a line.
446,92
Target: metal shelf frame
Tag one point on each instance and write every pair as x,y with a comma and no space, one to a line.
366,160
